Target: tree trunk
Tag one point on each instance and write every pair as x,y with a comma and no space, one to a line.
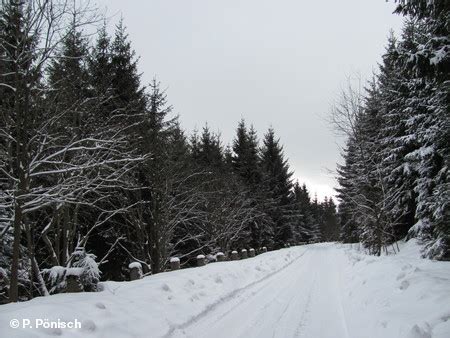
14,285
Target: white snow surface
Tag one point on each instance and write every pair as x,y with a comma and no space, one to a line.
318,290
134,265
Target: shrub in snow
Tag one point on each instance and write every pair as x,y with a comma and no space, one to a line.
82,267
211,258
135,270
244,253
90,275
55,278
73,279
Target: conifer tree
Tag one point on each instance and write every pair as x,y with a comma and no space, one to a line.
278,182
428,66
399,176
306,229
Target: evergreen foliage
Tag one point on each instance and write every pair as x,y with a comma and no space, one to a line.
394,180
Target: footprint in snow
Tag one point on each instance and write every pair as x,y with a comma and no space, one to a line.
88,325
165,287
53,331
400,275
420,332
404,285
100,306
406,267
218,280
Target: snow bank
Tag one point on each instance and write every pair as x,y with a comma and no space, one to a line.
153,304
319,290
399,295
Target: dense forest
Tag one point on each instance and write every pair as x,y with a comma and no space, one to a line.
97,172
394,179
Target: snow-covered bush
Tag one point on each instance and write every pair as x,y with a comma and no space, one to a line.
55,278
81,264
91,273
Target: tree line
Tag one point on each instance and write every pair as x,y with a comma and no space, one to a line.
394,179
97,172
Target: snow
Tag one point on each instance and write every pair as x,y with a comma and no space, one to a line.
174,260
201,257
400,295
74,271
319,290
134,265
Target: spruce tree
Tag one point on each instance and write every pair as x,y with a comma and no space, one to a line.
399,175
277,180
428,105
349,228
306,229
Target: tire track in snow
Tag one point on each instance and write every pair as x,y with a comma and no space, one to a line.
306,309
225,299
254,317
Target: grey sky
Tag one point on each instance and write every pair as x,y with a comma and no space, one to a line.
278,63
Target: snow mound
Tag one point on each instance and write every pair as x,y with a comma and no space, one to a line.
134,265
152,304
398,295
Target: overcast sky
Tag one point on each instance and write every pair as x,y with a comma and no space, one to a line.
275,63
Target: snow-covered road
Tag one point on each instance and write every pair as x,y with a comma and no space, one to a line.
317,291
301,300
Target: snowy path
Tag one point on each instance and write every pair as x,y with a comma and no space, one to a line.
302,300
314,291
